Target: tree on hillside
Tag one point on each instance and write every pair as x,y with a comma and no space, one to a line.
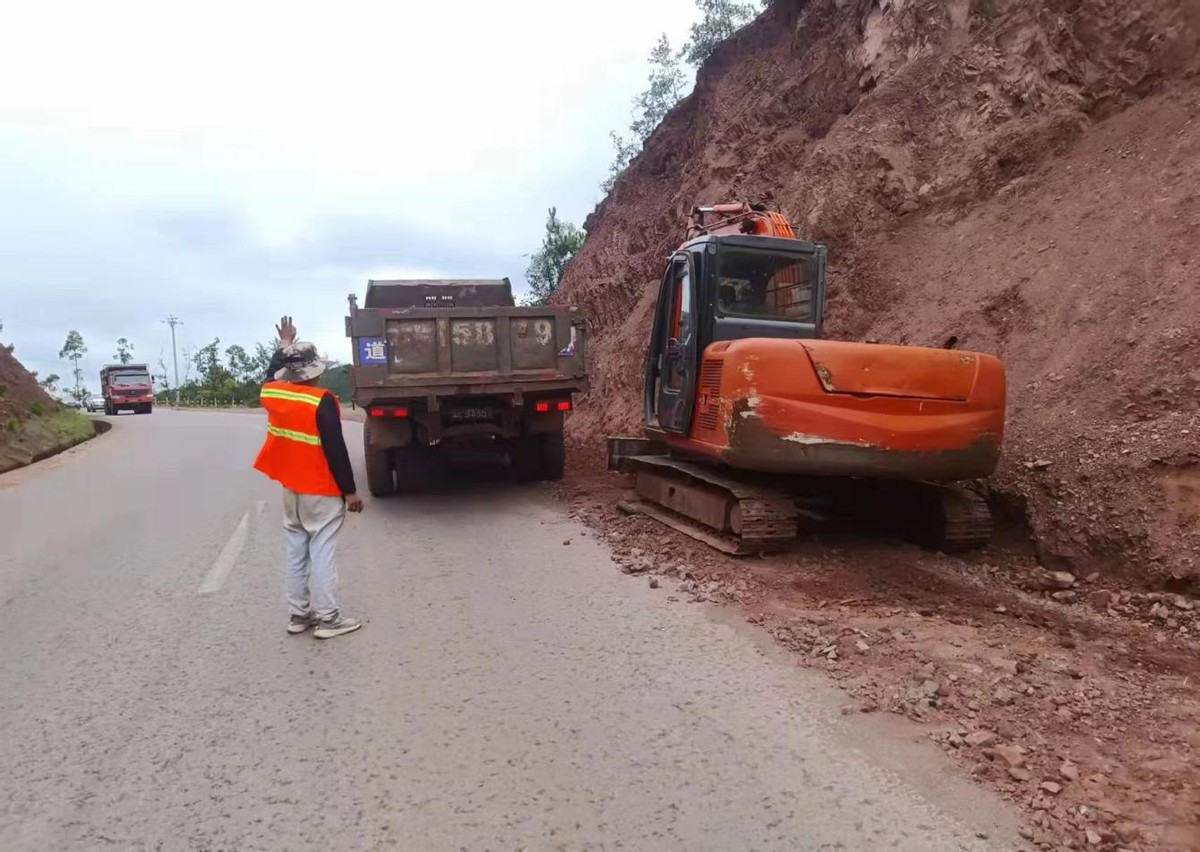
546,266
665,87
73,350
50,383
719,19
124,351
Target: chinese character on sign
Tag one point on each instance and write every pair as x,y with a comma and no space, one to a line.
373,351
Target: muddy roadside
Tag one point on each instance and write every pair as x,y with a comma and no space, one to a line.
1074,697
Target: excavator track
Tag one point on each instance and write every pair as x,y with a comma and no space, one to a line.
738,516
933,515
967,520
727,513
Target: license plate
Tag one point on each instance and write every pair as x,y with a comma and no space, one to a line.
471,414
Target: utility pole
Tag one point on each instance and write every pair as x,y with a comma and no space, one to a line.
173,321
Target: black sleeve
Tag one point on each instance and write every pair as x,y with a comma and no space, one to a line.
329,427
274,367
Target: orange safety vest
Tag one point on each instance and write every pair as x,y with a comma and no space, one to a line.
292,454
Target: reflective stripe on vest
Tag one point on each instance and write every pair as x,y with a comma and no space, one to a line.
292,454
294,436
281,393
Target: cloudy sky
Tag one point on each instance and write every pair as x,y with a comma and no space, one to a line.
231,161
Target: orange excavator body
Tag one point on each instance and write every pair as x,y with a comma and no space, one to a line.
797,404
829,408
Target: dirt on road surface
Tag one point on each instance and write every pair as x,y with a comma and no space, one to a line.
1076,698
511,689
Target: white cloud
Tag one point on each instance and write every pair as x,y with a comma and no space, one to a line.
229,161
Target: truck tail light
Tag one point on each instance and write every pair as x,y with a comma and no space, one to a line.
399,411
564,405
541,407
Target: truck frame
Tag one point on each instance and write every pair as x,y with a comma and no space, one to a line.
451,367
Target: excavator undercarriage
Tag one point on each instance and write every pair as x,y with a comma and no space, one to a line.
742,513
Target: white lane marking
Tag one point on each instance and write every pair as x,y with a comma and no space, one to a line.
259,506
219,572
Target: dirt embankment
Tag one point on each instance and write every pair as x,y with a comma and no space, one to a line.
32,425
1021,175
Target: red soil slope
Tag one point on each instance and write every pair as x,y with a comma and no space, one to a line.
1020,174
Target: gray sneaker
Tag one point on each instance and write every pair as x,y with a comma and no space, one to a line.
336,625
300,623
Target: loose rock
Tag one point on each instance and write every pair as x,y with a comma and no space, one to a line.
1062,579
979,738
1004,697
1013,755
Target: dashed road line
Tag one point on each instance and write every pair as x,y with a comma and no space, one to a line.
219,572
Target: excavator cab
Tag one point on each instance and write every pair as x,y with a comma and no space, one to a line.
720,288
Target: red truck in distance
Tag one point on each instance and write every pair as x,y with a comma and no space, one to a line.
127,387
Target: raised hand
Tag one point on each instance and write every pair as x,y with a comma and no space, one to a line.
286,331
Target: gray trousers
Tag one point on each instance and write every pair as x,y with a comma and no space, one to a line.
311,525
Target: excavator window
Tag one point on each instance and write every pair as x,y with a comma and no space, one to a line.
681,327
765,285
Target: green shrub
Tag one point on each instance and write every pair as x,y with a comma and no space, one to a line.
73,427
13,425
37,410
3,390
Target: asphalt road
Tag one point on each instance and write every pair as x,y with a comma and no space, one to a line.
507,692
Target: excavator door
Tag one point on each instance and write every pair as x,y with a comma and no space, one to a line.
671,365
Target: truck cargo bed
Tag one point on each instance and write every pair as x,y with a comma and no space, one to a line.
439,351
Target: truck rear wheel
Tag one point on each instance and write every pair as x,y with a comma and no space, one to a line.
553,456
381,481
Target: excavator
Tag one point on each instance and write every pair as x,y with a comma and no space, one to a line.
755,425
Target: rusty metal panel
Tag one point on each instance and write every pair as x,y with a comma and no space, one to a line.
413,345
533,341
473,345
445,359
698,502
439,293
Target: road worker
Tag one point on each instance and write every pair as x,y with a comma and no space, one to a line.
305,452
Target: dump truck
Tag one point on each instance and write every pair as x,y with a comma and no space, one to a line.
452,368
127,387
